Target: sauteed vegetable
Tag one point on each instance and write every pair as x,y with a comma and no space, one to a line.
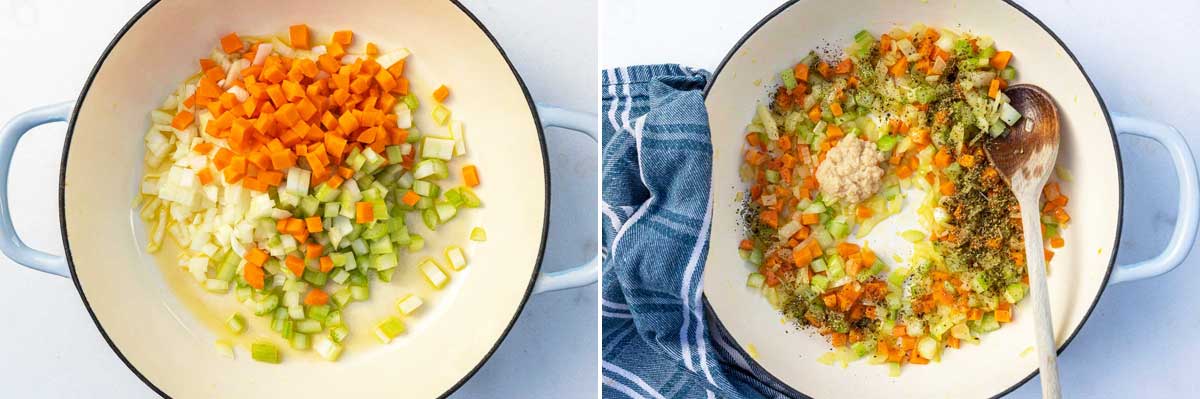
287,172
844,144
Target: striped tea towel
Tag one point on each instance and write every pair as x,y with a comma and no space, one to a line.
657,169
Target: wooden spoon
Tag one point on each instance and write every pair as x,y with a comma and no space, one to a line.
1025,157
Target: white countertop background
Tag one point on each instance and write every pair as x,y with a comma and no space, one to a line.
49,347
1141,341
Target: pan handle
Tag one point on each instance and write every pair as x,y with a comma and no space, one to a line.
11,244
587,272
1188,215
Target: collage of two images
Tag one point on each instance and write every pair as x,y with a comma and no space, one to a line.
598,198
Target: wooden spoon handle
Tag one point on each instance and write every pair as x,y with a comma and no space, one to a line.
1035,261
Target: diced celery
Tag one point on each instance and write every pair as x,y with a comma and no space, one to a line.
360,293
755,280
389,329
789,78
912,235
308,326
417,243
478,234
316,278
338,333
385,275
268,304
300,342
430,218
1014,292
409,304
433,273
236,323
385,261
441,114
445,212
820,282
456,257
265,352
318,313
327,349
411,101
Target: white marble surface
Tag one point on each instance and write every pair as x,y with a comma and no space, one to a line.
1140,341
51,348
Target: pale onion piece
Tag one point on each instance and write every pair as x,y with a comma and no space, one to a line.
264,50
460,139
198,266
318,51
281,48
242,94
906,47
389,58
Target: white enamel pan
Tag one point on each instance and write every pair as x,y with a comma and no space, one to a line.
167,343
1080,271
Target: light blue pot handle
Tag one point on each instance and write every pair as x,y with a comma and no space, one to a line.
588,272
1188,216
10,244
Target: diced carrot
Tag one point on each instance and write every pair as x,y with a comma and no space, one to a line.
1004,315
844,67
863,212
947,188
770,217
801,72
254,276
316,297
410,198
814,114
942,158
231,43
326,263
314,224
846,249
966,160
470,175
916,358
205,176
343,37
824,70
256,256
899,68
372,49
1061,215
295,226
903,172
313,250
299,36
867,255
441,93
1057,242
295,265
182,120
203,148
953,342
364,212
810,218
335,50
836,109
1000,60
994,88
899,331
838,340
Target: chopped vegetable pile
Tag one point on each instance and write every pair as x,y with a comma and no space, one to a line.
286,172
928,100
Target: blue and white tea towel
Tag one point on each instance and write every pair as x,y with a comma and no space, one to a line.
657,339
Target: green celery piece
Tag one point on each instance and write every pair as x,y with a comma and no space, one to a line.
265,352
430,217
